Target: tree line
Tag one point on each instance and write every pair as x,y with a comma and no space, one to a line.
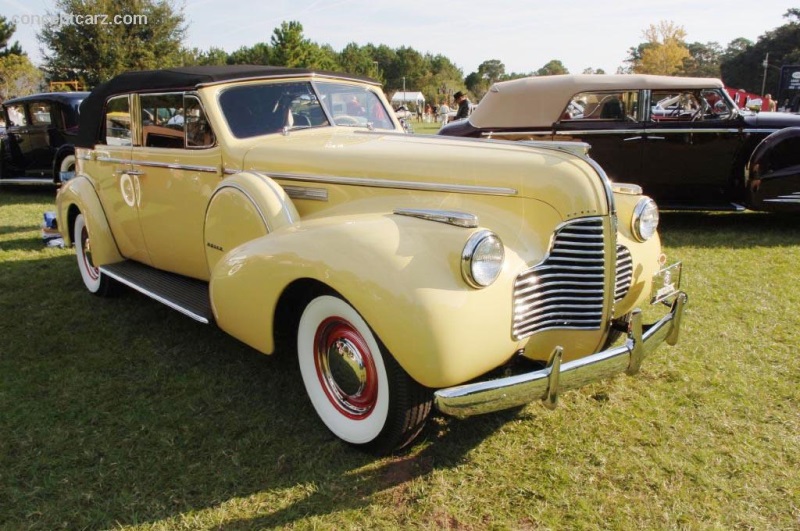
92,54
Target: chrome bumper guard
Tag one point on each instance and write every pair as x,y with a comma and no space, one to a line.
546,384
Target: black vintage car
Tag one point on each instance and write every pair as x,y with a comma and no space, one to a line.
682,139
37,146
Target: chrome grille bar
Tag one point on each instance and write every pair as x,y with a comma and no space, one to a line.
566,289
624,275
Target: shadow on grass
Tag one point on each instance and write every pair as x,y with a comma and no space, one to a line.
120,411
729,229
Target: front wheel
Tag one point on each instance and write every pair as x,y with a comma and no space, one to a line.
356,387
95,281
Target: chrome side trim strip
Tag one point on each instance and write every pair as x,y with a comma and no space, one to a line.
450,217
303,192
385,183
601,132
175,166
153,296
792,198
151,164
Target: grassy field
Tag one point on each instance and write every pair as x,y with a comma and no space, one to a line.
123,414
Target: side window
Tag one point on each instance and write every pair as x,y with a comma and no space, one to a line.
676,105
163,119
40,113
16,115
118,122
198,130
606,106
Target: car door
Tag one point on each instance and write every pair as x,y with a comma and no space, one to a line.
610,123
38,137
178,166
116,180
691,141
17,157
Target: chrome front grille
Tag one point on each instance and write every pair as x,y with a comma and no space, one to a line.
566,290
624,276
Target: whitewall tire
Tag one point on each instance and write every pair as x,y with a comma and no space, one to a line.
95,281
358,390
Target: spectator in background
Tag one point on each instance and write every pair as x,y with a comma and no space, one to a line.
463,105
444,110
768,104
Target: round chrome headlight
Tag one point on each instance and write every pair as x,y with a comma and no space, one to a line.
482,259
645,219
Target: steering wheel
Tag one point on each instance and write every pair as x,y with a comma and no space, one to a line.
345,119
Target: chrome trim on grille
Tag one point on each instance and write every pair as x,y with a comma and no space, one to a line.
624,273
566,290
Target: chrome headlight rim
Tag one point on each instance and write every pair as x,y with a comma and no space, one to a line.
644,223
478,242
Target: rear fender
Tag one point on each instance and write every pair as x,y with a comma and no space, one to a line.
244,207
402,274
78,196
773,173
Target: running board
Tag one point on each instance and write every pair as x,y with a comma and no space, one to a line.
27,181
184,294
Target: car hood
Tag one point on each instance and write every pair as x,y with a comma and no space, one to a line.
772,120
564,180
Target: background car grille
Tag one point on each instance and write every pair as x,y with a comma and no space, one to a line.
566,290
624,273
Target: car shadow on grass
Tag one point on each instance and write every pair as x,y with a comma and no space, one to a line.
121,411
728,229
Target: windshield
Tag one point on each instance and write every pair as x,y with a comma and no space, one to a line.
253,110
354,106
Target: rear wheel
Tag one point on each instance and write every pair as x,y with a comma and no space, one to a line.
356,387
66,169
95,281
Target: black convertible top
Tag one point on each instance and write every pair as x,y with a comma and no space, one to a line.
179,78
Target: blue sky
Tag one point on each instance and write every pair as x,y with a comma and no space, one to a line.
524,35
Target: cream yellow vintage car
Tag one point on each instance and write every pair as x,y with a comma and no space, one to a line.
288,208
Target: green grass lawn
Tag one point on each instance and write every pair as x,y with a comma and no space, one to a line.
120,413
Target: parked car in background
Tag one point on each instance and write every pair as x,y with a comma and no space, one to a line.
38,144
400,283
682,139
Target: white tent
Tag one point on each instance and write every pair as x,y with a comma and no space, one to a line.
401,97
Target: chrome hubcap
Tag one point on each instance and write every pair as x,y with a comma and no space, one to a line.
345,368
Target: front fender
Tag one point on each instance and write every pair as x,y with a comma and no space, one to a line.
78,196
402,274
773,173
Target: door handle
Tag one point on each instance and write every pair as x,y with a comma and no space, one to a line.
650,137
135,172
632,138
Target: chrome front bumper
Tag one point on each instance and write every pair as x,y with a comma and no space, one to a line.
545,384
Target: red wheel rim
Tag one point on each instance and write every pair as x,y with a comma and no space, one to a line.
92,271
345,368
